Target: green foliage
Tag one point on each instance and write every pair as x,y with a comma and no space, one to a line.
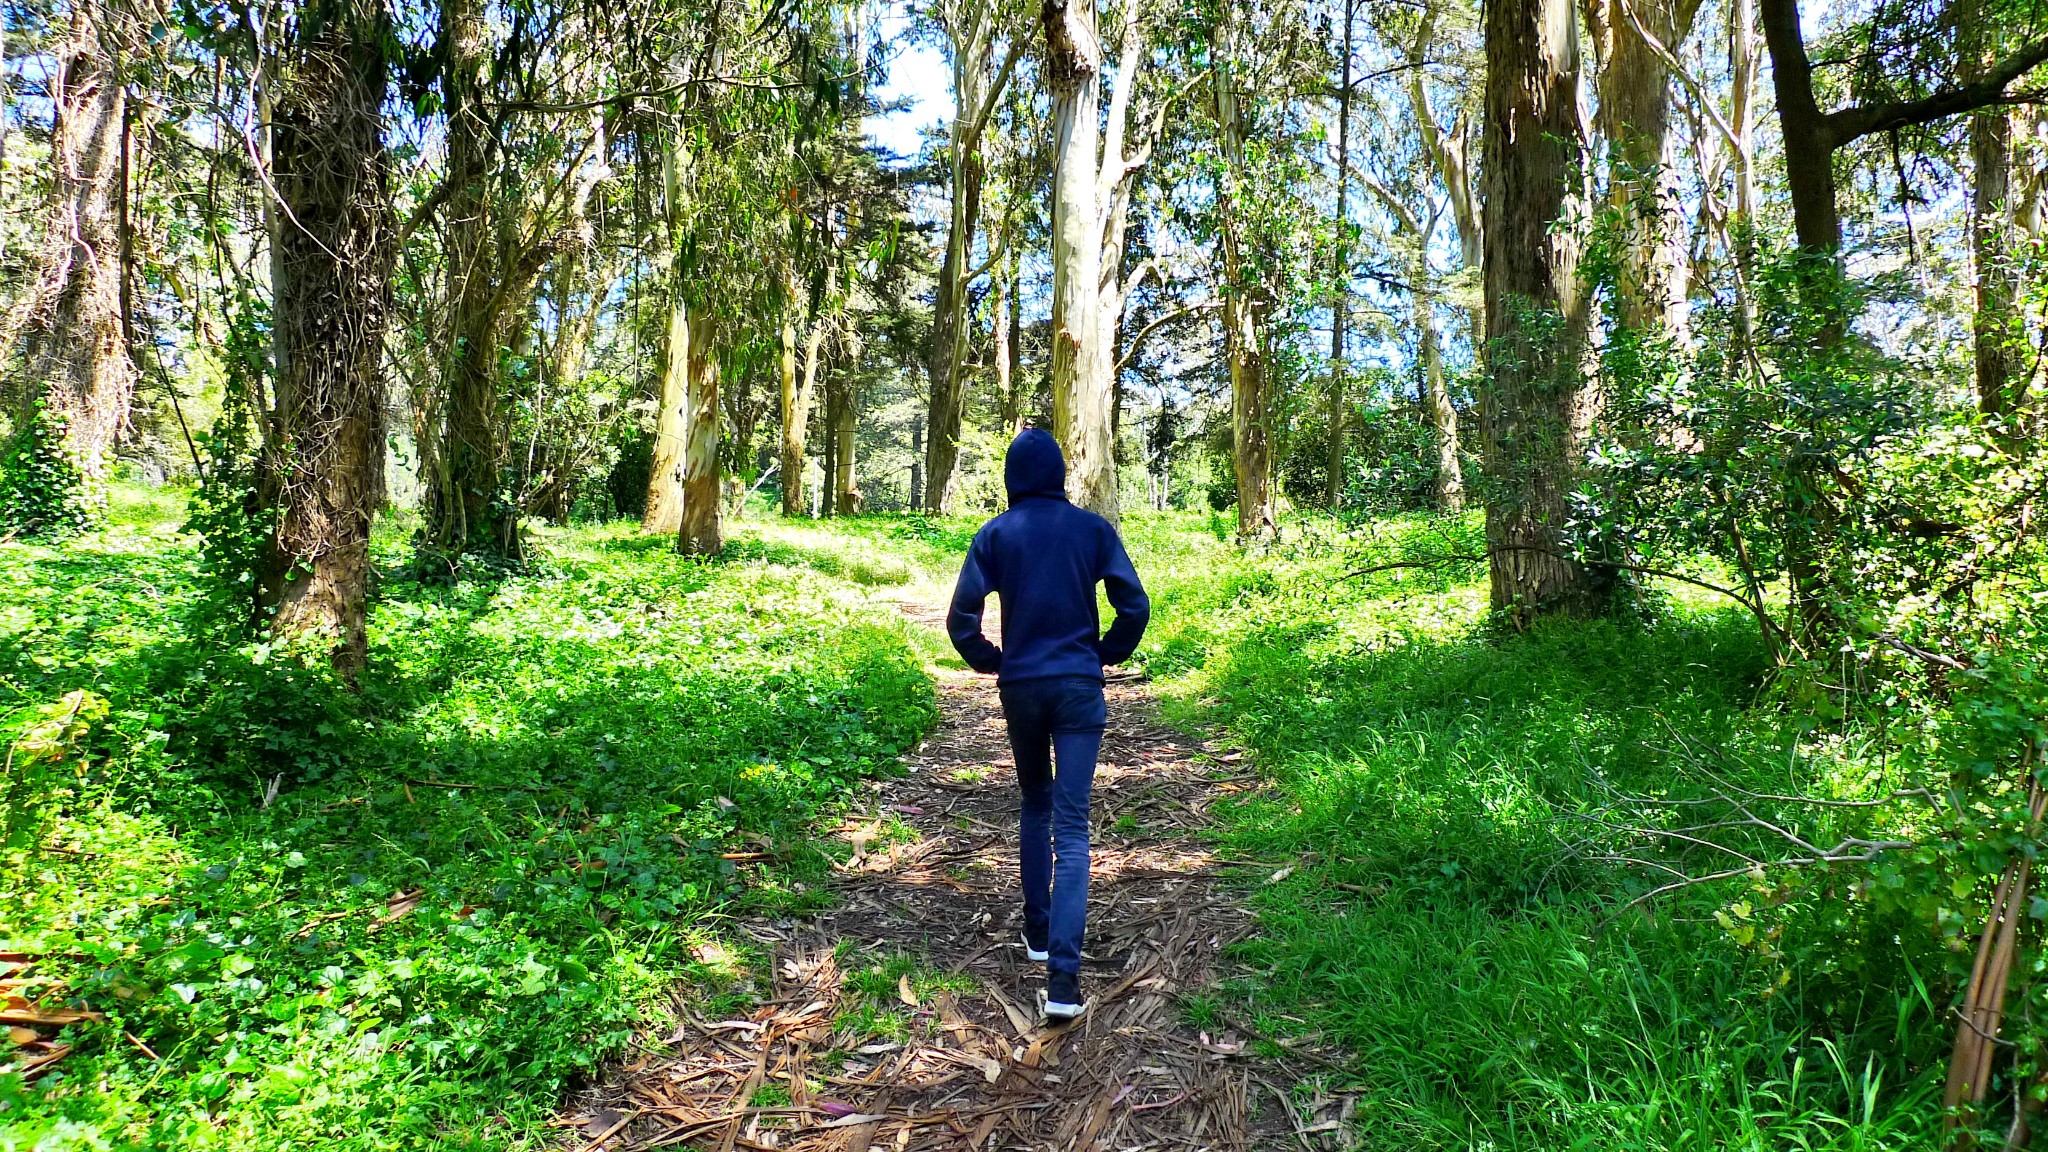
43,492
1453,910
39,740
408,915
226,509
1737,445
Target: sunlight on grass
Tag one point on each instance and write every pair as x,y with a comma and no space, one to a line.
412,913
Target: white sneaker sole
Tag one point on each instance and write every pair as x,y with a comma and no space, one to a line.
1031,953
1058,1012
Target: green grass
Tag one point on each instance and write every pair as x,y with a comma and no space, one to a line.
477,877
1426,776
625,719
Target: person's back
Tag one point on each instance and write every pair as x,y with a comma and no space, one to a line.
1043,558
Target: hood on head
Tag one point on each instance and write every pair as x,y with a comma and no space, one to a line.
1035,467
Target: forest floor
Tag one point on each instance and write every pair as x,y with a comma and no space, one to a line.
906,1017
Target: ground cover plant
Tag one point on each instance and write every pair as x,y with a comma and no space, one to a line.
410,913
1436,893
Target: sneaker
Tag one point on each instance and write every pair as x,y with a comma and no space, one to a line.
1063,1003
1030,953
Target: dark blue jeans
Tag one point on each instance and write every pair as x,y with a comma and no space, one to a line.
1056,718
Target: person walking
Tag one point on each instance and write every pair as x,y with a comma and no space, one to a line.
1043,558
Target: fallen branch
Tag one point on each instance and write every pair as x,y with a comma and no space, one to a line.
1771,627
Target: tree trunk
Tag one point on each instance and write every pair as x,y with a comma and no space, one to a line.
1642,181
468,512
556,455
71,315
1004,336
916,466
703,528
1742,67
828,460
1340,282
945,361
1535,406
664,514
1809,149
1244,346
325,472
1436,395
1449,154
1114,184
6,109
1080,369
2000,344
1251,454
844,485
795,413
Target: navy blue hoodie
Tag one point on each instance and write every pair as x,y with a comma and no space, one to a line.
1044,557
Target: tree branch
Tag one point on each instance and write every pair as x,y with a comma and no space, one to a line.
1861,120
1137,342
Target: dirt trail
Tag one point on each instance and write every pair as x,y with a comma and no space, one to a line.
978,1071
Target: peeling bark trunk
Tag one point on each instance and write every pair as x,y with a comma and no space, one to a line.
467,512
703,528
1005,337
1080,369
1449,153
791,457
71,316
946,363
1535,406
325,472
846,490
800,391
1742,67
1436,395
664,513
975,87
1114,184
1642,181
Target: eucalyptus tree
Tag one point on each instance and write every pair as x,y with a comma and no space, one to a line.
1420,170
1535,403
1254,55
845,219
1889,98
728,186
1633,46
2002,374
323,467
1096,156
708,146
525,150
1339,402
1020,169
70,318
972,30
